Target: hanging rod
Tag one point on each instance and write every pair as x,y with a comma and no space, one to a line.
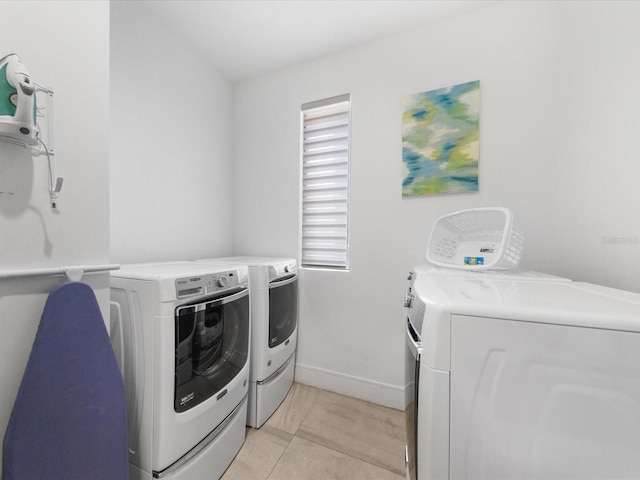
74,272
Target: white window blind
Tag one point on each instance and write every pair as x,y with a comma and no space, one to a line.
325,183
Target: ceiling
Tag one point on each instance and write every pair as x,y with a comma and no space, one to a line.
248,38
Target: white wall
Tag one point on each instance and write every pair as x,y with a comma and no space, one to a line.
46,36
599,163
171,145
536,132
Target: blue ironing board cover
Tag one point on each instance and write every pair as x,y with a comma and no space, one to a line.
69,417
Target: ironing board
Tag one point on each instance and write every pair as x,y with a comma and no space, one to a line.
69,417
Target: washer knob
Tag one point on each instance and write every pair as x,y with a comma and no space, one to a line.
223,282
287,269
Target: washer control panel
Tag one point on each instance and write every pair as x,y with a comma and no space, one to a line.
206,284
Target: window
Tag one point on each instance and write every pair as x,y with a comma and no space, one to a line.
325,183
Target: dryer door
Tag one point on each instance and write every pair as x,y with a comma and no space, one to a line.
411,381
283,309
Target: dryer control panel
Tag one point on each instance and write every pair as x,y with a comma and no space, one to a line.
282,268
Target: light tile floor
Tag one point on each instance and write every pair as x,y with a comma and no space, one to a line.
320,435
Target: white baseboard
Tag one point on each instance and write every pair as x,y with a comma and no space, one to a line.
374,392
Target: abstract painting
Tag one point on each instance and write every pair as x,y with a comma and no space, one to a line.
441,141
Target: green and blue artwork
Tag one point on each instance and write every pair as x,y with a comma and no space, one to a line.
441,141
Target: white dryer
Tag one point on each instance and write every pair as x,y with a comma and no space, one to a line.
273,283
182,333
520,375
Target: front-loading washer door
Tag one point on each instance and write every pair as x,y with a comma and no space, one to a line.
211,347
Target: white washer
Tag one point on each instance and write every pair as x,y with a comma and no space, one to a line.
521,376
181,335
273,283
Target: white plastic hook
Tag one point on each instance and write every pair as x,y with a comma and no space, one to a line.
74,274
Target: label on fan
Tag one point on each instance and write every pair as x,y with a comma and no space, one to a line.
471,261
